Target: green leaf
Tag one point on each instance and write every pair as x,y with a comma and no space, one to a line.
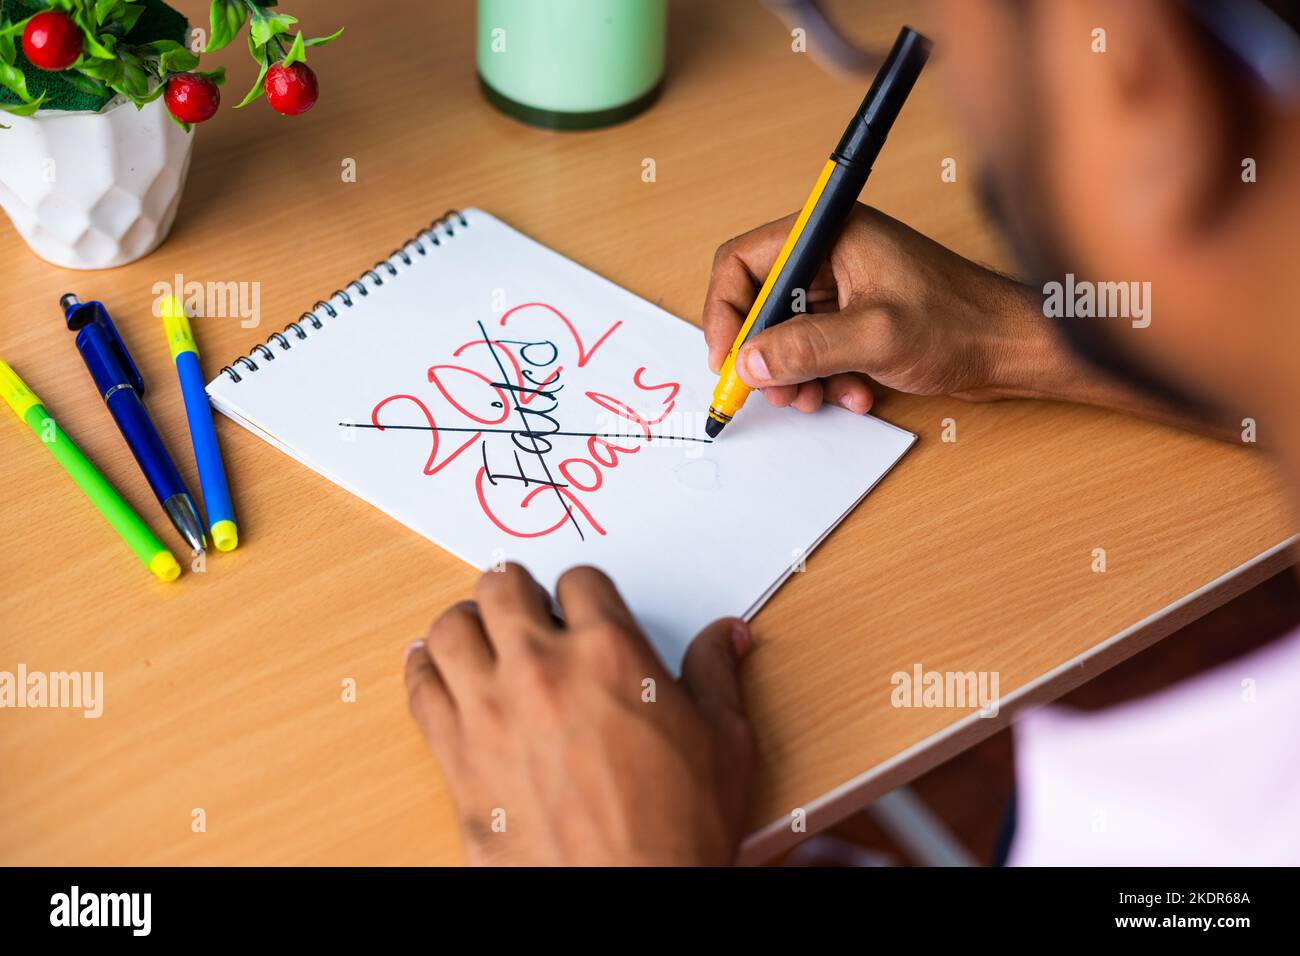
217,76
256,91
259,54
7,26
104,9
158,90
85,84
321,41
131,14
101,47
8,51
297,52
228,17
22,109
110,71
264,29
12,79
182,61
92,42
135,79
172,57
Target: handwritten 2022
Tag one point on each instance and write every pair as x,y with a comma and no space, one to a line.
511,411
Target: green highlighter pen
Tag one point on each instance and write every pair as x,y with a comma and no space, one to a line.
95,486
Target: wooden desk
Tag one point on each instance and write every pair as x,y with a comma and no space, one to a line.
224,690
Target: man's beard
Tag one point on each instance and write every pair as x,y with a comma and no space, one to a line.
1020,210
1038,255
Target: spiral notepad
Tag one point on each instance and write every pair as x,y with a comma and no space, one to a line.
509,405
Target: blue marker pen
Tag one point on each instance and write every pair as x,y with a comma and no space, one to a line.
119,382
212,473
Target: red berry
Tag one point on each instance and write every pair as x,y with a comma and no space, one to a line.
52,41
291,90
192,98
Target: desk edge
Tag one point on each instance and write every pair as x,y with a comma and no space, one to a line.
853,795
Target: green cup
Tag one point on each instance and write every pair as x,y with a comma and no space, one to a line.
571,64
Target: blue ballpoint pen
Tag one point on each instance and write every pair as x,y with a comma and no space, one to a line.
121,386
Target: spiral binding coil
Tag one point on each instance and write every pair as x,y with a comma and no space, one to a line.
446,222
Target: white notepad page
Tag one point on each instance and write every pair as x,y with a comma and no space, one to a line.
569,419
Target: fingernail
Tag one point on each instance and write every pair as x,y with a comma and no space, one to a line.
741,641
755,366
848,402
411,649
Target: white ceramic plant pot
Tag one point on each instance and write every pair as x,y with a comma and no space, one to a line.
93,190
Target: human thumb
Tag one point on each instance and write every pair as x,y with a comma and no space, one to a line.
800,349
710,670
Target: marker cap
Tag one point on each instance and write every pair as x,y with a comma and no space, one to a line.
165,566
225,535
180,337
15,391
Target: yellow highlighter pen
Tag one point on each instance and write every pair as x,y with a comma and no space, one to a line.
824,214
152,553
207,453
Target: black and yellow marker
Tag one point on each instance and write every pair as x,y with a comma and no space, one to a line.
824,214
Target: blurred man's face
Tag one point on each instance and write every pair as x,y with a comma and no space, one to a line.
1104,164
996,81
